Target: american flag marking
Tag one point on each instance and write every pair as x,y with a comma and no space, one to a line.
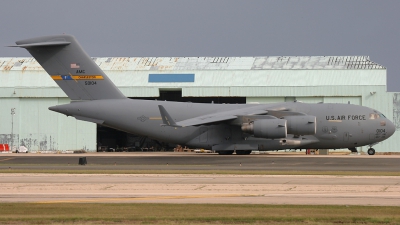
75,65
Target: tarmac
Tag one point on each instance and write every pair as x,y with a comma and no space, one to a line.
201,161
201,188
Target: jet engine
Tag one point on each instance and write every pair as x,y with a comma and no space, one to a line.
301,125
269,128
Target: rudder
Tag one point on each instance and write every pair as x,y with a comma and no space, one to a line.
71,67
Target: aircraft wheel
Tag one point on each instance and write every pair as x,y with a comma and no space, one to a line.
225,152
16,151
371,151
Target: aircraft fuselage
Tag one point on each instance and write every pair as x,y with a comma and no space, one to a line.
337,125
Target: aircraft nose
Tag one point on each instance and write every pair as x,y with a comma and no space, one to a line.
390,128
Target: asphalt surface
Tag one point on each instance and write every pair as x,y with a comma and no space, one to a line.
193,161
199,188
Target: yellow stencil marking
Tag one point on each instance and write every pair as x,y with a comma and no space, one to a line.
77,77
87,77
155,118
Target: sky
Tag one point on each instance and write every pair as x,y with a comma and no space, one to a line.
228,28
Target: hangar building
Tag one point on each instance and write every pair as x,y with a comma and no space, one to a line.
28,89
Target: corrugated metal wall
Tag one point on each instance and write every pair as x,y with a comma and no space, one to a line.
39,83
38,128
256,78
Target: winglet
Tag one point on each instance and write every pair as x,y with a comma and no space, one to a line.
166,118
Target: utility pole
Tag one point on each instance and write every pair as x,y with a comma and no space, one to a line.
12,127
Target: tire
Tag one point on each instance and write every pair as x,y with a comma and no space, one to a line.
371,151
16,151
243,152
230,152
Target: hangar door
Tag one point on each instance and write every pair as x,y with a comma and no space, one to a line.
109,138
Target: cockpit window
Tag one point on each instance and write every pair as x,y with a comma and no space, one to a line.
374,116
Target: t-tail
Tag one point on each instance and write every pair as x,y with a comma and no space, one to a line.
71,67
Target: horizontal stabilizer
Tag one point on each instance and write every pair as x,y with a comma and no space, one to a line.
41,44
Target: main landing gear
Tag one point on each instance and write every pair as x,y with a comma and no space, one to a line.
238,152
243,152
353,150
229,152
371,151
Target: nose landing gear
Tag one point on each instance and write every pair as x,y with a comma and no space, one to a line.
371,151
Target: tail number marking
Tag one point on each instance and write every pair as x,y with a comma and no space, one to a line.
90,83
380,131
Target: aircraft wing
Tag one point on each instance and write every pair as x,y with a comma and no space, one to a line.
282,113
205,119
209,118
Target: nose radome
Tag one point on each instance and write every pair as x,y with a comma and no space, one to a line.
390,128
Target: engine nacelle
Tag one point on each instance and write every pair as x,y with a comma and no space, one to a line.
269,128
301,125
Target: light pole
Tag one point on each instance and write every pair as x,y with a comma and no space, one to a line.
12,127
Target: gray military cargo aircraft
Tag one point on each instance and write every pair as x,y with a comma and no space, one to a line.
223,128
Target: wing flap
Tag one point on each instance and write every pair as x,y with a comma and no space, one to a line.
221,116
205,119
209,118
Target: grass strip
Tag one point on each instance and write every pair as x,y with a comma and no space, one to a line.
227,172
88,213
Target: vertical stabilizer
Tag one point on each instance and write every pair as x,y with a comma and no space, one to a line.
71,67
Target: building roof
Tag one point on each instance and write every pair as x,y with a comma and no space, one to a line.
213,63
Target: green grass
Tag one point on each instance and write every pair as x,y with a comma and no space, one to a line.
34,213
227,172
